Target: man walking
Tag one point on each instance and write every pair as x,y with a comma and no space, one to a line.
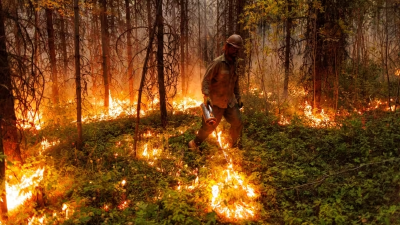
220,87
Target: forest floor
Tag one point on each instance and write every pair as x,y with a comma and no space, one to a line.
345,172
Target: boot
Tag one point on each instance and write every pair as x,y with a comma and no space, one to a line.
192,145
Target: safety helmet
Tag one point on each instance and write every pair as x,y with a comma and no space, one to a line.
235,40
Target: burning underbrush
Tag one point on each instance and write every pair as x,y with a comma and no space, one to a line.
162,182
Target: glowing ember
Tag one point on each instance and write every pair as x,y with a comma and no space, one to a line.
123,205
14,196
397,73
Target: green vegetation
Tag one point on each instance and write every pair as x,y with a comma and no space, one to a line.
346,173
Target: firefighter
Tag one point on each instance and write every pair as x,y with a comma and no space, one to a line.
220,88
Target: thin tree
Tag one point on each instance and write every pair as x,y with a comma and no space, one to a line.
8,132
52,52
63,34
182,47
105,52
129,50
160,65
288,27
142,80
77,76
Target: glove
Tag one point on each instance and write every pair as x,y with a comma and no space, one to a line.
240,103
207,100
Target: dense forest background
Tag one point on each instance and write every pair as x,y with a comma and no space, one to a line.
320,81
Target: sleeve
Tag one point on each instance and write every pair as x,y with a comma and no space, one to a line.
236,89
210,73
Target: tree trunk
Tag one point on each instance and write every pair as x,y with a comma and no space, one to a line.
205,34
230,18
182,31
287,49
105,47
64,30
160,65
52,51
129,51
77,76
37,41
7,114
144,71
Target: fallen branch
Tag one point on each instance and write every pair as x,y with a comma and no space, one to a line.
319,181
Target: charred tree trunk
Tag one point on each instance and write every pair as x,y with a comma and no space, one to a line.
205,34
160,65
142,80
182,58
325,48
7,114
36,39
186,36
287,49
230,18
52,52
129,51
105,52
64,30
77,76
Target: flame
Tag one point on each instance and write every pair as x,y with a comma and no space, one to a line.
185,103
36,220
397,73
316,120
30,120
223,145
14,196
232,196
240,204
46,144
283,121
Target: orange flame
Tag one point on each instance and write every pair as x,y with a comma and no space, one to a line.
240,206
14,196
237,207
316,120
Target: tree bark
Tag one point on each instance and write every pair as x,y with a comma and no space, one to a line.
230,17
52,52
160,65
287,49
7,114
105,52
64,29
182,46
78,76
129,51
144,71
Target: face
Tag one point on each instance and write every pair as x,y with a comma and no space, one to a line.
231,51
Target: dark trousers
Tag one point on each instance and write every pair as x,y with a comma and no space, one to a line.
232,116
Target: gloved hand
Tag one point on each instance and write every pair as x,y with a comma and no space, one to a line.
207,100
240,103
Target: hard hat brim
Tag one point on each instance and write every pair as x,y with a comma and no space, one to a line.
236,46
